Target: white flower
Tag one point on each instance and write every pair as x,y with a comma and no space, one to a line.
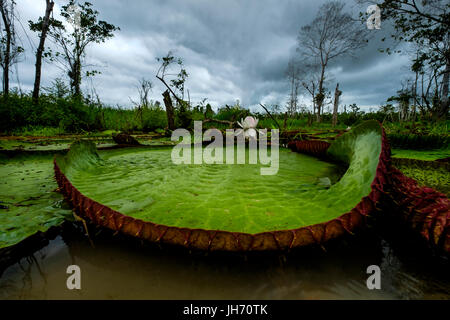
248,127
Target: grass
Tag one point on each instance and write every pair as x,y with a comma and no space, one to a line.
37,131
427,155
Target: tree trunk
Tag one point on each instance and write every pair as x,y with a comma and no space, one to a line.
169,110
413,115
415,94
291,98
320,95
314,97
40,50
76,78
337,94
7,62
75,71
444,104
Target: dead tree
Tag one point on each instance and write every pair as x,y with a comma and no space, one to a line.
311,88
337,94
44,27
293,73
9,51
144,88
169,110
444,104
331,34
178,83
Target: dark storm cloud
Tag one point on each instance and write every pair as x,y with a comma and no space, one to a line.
233,49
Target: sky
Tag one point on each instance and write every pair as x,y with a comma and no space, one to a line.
232,49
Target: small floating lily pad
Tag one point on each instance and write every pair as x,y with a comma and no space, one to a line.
29,203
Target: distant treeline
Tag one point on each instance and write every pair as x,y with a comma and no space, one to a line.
66,114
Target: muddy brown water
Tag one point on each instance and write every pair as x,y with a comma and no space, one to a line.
117,267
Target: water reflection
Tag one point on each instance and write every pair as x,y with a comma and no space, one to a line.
123,268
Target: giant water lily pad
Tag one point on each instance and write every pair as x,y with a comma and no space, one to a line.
425,155
28,203
231,197
228,207
432,174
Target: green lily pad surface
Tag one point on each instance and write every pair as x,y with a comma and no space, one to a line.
426,173
427,155
145,184
421,166
28,201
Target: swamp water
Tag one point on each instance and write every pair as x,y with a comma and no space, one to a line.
116,267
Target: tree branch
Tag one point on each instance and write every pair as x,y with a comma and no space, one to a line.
270,115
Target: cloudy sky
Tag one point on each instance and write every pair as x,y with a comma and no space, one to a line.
233,49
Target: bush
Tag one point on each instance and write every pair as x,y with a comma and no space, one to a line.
153,119
232,114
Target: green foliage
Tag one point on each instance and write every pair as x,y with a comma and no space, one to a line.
209,113
415,141
87,29
424,154
178,83
425,23
153,119
184,116
232,113
58,113
37,131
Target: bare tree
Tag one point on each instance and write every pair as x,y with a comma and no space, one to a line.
427,89
178,80
332,33
310,86
9,50
293,74
43,25
403,98
169,110
144,88
176,83
309,83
